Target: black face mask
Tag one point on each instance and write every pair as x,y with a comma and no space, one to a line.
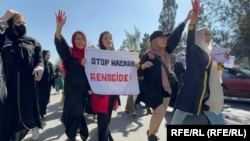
21,29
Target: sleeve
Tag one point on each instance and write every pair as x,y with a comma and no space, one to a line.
52,75
38,55
190,41
62,48
174,38
3,26
140,72
178,69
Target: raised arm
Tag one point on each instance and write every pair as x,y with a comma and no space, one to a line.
3,24
175,36
60,21
192,26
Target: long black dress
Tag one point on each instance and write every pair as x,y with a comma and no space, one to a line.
19,112
44,87
76,88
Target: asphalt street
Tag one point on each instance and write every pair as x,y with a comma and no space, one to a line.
127,128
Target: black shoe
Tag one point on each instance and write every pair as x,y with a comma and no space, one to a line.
149,112
42,117
133,114
71,139
84,138
20,135
152,138
110,137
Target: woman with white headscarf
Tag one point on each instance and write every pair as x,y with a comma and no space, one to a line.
201,90
180,66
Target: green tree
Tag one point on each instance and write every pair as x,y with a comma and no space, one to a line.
132,41
167,20
230,26
144,45
167,16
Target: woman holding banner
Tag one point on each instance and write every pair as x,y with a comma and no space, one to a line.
103,105
76,85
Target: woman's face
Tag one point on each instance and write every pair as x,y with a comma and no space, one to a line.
18,20
207,36
162,41
80,41
107,41
47,56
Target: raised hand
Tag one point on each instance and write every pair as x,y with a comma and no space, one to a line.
60,18
60,21
196,6
9,14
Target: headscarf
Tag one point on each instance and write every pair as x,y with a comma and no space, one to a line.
200,40
76,52
155,49
10,30
181,57
216,98
12,38
44,53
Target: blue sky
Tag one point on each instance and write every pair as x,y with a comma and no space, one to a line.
92,17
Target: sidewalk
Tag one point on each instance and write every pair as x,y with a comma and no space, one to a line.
123,127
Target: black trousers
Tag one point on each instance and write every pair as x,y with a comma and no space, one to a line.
75,127
103,122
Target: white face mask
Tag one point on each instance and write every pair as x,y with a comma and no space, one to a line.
206,45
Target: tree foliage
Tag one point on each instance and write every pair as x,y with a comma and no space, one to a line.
167,16
144,45
230,26
167,19
132,41
229,21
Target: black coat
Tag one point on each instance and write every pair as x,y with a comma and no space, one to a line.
76,87
191,95
44,87
20,56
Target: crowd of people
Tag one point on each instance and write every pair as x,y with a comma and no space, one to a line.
28,76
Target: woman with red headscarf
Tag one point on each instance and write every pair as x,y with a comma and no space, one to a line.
76,85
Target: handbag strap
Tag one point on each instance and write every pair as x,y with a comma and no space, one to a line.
158,58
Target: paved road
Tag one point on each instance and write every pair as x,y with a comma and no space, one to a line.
126,128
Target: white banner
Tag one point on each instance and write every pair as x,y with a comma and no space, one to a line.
112,72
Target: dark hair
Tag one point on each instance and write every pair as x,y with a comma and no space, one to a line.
45,52
101,45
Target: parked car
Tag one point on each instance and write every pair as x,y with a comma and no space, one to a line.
237,80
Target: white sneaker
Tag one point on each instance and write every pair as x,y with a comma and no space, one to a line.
35,133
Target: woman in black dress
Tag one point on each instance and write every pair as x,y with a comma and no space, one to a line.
76,85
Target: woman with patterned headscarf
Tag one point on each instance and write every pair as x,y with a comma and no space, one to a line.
76,85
